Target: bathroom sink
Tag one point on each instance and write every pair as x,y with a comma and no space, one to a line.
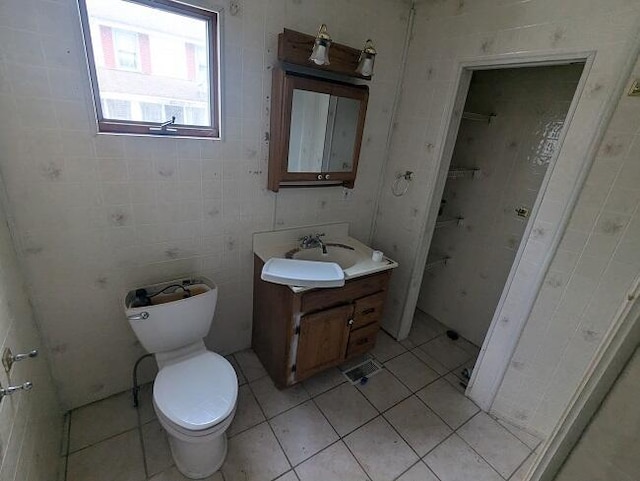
343,255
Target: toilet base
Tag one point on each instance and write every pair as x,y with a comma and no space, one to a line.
198,460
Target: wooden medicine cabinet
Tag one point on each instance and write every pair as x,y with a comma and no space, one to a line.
316,130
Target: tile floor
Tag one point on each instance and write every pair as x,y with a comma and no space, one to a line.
410,422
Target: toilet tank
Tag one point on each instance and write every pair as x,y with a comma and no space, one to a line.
179,314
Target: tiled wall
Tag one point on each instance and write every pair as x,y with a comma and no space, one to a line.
450,31
31,421
597,261
95,215
512,152
608,448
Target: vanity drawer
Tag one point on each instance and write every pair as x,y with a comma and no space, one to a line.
362,340
353,289
368,309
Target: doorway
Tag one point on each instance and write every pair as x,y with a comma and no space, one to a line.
510,131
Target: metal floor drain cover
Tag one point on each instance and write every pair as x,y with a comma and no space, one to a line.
365,369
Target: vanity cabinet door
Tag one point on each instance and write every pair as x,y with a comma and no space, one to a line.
322,341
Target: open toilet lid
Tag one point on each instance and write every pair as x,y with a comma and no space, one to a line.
196,393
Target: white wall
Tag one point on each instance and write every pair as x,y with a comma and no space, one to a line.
609,446
95,215
448,32
30,422
512,152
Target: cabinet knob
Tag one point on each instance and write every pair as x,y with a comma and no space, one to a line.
319,176
350,322
326,176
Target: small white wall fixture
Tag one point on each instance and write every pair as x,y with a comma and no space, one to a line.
556,198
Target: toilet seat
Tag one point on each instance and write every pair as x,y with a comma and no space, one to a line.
196,393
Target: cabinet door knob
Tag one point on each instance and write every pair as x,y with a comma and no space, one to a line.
319,176
350,322
326,176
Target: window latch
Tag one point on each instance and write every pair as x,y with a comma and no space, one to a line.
164,127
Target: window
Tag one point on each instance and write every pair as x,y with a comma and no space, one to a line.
149,61
126,50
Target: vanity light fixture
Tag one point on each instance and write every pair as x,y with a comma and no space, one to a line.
320,52
366,60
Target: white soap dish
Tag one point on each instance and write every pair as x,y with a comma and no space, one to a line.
294,272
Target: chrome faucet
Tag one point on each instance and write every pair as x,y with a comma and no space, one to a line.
313,240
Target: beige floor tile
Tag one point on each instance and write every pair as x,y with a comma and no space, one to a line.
254,455
418,425
383,390
236,367
172,474
527,438
290,476
248,413
413,373
272,400
446,352
386,347
494,443
522,471
455,382
303,431
117,459
334,463
430,361
250,365
156,448
449,404
345,408
95,422
380,450
324,381
418,472
423,329
454,460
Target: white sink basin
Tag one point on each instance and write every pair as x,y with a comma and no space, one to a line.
345,257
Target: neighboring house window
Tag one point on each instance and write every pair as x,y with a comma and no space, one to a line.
137,51
127,50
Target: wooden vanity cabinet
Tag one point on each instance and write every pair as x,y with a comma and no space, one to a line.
296,335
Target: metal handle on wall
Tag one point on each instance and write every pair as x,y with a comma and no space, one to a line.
398,189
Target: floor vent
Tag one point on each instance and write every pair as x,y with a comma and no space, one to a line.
363,370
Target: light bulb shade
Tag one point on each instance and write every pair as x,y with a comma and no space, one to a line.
320,52
366,60
365,66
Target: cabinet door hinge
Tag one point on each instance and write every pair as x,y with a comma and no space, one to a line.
293,368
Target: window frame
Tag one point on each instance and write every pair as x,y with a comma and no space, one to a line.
115,126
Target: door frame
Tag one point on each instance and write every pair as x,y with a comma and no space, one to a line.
502,338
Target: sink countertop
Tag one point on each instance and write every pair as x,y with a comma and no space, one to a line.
266,247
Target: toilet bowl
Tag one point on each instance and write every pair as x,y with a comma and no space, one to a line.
195,391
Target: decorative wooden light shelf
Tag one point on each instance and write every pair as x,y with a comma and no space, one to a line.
295,48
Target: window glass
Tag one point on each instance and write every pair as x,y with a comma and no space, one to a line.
152,60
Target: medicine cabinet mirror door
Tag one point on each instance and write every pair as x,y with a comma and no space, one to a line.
316,131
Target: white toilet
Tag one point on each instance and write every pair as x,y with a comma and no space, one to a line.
195,391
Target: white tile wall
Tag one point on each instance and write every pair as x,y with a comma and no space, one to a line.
448,31
512,152
31,421
93,216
